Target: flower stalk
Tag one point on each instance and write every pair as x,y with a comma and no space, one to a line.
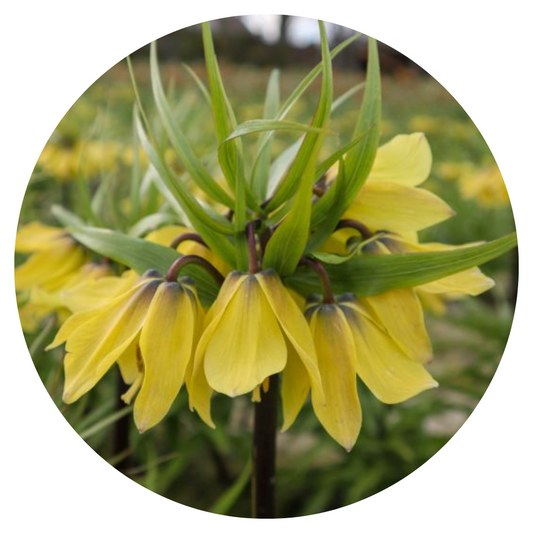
264,452
185,260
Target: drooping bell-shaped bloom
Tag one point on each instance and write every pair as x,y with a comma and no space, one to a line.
251,331
351,345
150,330
55,256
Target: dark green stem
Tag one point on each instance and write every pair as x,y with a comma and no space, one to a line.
264,452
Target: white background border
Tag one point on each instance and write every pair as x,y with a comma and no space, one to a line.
52,51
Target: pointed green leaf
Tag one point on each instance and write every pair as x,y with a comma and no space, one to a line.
261,167
212,231
288,242
299,91
330,208
198,173
141,255
365,275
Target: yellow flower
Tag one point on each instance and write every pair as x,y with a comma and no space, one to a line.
351,344
55,256
390,199
150,330
251,330
56,263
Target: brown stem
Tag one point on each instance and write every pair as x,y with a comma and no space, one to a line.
264,452
187,237
184,260
318,267
252,250
356,225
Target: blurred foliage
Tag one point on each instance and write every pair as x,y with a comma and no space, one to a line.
183,459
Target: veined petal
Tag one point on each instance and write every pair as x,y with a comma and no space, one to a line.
166,346
96,344
294,325
36,236
405,159
49,265
400,313
388,205
95,292
247,344
388,373
341,414
199,389
78,319
295,386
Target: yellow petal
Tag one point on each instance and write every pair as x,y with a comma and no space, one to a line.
385,205
52,265
36,236
247,344
95,292
341,415
295,388
405,159
400,313
94,345
166,346
387,372
129,363
199,389
294,325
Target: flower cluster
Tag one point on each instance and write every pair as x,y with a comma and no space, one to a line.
162,336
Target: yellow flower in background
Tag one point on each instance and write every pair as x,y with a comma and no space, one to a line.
54,256
350,344
249,331
166,235
484,183
150,330
56,262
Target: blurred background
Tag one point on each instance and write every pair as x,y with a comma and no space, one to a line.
181,458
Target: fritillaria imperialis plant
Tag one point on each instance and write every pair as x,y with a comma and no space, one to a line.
293,276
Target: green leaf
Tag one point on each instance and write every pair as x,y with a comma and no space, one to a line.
199,83
358,162
333,158
287,244
299,91
263,125
152,222
229,498
198,173
66,217
365,275
212,231
261,167
106,422
346,96
141,255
